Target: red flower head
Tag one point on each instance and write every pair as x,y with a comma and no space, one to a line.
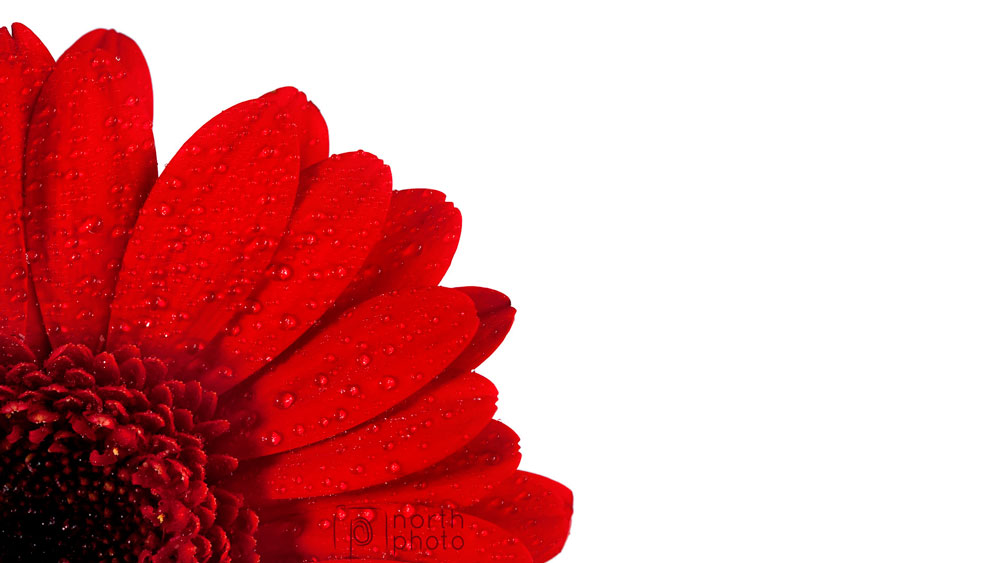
245,358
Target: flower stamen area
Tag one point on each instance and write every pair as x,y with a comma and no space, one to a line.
57,507
104,458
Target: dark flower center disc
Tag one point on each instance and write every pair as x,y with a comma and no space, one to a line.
56,508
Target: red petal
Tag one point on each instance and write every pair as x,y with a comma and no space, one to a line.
496,316
27,44
372,358
315,138
211,225
314,141
343,202
89,162
535,508
418,243
462,479
24,65
421,432
356,560
401,532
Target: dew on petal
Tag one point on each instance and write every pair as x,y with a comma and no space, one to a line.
285,400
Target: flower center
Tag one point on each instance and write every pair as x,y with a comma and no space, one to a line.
62,508
106,458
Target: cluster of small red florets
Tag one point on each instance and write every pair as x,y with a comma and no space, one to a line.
104,456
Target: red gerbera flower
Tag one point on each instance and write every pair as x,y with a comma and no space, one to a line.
246,358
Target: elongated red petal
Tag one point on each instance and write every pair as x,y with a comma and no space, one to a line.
90,162
342,204
370,359
315,138
26,44
420,432
356,560
24,65
303,115
417,245
401,532
538,510
496,316
462,479
209,229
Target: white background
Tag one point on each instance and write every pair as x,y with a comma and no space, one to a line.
754,245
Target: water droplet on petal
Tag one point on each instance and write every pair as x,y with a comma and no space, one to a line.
285,400
274,438
289,322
